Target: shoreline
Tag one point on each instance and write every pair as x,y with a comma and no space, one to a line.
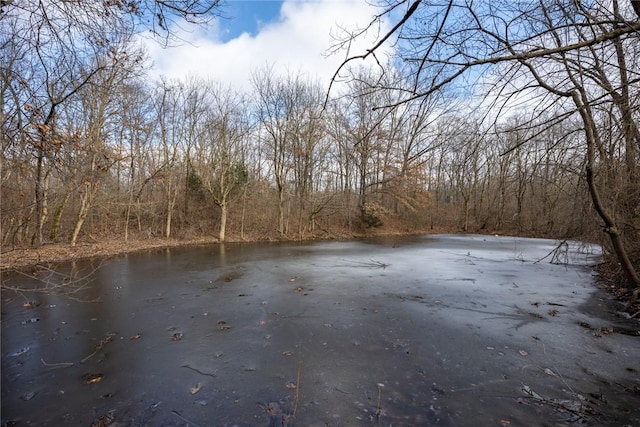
22,259
53,253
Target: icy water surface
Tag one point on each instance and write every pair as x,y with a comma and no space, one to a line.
437,330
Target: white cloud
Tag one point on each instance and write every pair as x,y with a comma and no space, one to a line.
297,41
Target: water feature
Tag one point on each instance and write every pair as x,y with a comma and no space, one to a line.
435,330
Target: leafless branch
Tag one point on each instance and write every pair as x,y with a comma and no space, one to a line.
372,50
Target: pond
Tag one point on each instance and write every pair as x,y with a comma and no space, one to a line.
444,330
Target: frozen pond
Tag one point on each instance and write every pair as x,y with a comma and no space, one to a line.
436,330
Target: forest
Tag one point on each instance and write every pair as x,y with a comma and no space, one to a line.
492,117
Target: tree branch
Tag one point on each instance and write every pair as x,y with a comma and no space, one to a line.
405,18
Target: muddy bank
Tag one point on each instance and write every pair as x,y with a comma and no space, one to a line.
24,257
17,258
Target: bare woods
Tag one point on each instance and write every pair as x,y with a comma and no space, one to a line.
543,132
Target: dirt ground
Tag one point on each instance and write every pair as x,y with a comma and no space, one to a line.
11,259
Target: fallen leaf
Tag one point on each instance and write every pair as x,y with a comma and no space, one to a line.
196,388
136,337
31,304
523,353
287,353
291,386
505,422
177,336
273,409
92,378
553,312
103,420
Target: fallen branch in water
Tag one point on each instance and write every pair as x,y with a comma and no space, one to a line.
50,280
98,347
295,403
379,408
580,414
57,365
179,415
371,264
559,254
199,371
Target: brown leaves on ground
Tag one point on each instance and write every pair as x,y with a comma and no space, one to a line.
59,252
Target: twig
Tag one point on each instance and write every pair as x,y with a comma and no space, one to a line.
557,371
342,391
379,409
101,344
555,252
55,281
199,371
372,263
528,390
297,399
57,365
177,414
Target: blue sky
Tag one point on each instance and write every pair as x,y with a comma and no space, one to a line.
247,16
289,36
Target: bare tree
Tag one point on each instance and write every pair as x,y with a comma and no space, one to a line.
577,56
133,142
63,51
160,17
179,109
223,144
281,106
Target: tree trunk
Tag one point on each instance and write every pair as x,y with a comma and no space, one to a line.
169,218
86,202
610,226
223,221
281,211
57,217
41,197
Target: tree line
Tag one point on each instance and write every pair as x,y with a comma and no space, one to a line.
539,137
